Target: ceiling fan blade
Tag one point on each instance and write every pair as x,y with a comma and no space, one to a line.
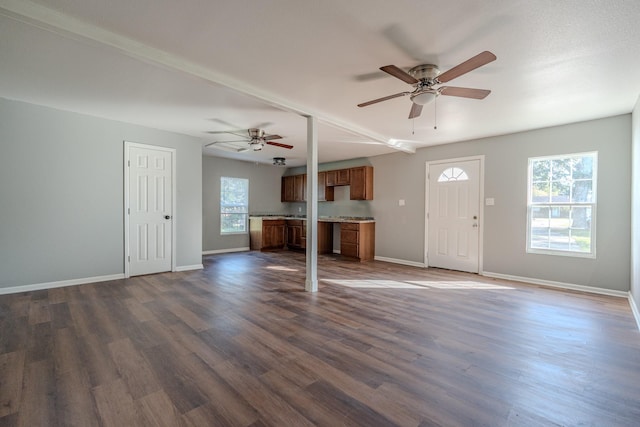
464,92
241,133
399,74
364,104
224,142
469,65
416,110
279,144
272,137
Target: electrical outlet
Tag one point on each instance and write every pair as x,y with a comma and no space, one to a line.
401,202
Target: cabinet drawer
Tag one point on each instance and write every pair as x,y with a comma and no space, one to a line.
270,222
350,226
294,222
348,249
349,236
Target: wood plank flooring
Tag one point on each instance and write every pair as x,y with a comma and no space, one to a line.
240,344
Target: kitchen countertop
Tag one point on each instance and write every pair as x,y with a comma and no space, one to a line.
352,219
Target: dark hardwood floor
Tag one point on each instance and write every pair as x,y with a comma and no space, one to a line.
240,344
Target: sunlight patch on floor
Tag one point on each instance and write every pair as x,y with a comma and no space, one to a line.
414,284
280,268
373,284
462,284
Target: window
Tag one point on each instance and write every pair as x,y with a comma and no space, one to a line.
234,205
453,174
562,205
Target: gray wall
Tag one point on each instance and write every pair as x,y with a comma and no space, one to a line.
400,230
264,197
635,212
62,197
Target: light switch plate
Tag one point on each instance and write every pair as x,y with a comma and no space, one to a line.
489,201
401,202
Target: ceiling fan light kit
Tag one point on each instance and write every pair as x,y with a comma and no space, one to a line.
426,77
279,161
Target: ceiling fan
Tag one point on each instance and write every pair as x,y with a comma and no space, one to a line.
425,77
255,137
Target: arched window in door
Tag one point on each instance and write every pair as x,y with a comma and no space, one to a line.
453,174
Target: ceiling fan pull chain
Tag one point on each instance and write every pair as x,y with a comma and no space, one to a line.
435,113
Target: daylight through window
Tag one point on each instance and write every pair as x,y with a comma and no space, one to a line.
453,174
234,205
562,204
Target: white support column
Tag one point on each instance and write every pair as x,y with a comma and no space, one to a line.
311,284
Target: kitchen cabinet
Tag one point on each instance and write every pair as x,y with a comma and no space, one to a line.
267,233
338,177
361,181
297,235
287,191
300,188
357,240
325,194
295,230
294,188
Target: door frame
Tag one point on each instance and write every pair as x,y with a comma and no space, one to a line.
127,146
480,208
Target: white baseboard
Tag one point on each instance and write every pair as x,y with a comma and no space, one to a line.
399,261
59,284
190,267
224,251
562,285
634,309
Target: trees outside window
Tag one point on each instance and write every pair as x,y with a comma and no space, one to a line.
562,204
234,205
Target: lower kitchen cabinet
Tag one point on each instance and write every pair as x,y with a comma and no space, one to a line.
267,233
357,240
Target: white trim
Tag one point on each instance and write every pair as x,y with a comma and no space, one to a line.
127,146
400,261
480,158
189,267
60,284
634,309
561,285
224,251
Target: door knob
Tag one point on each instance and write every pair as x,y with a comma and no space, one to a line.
167,217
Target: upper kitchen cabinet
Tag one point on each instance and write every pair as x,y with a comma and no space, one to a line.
338,177
294,188
361,181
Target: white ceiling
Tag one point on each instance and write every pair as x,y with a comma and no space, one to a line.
196,66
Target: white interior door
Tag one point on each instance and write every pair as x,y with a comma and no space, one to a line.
150,209
454,215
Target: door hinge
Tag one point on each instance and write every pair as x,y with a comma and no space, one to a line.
129,258
129,211
129,163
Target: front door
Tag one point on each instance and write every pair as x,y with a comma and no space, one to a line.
150,208
453,215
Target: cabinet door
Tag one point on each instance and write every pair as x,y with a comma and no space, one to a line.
361,179
325,193
273,234
288,189
300,186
